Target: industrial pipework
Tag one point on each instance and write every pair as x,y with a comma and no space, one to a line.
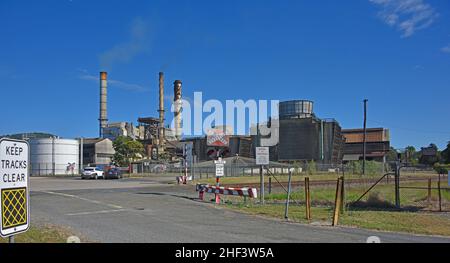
103,119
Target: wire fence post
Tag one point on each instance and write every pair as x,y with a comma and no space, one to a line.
429,190
261,179
342,194
307,199
397,185
337,203
270,185
286,210
439,193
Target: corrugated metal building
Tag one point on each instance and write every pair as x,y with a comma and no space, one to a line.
377,144
305,137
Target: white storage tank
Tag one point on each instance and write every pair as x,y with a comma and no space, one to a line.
54,156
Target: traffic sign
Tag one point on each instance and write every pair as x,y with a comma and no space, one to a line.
220,167
14,190
262,155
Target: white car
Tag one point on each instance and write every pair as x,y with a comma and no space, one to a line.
92,173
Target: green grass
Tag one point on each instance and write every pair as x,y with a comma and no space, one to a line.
382,194
416,223
376,211
42,234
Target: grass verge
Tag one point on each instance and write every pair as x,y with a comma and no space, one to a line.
414,223
42,234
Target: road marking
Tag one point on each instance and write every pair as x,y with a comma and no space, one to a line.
95,212
84,199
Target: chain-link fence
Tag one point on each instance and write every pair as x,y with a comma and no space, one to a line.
428,192
48,169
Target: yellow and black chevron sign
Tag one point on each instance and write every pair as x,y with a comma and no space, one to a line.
14,207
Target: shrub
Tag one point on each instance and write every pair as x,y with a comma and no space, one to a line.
441,168
312,167
372,167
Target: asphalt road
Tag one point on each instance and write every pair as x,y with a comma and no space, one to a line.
150,210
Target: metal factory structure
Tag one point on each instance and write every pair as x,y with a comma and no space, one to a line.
97,152
155,136
151,131
305,137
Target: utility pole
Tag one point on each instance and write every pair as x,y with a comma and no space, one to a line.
364,137
80,170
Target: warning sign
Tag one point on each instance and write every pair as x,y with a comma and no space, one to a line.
262,156
220,167
14,195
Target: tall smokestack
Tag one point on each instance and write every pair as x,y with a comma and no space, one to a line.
103,119
178,107
161,134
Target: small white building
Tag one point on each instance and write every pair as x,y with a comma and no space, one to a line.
97,151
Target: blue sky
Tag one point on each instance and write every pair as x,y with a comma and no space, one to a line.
396,53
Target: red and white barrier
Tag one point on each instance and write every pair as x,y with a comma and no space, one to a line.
244,191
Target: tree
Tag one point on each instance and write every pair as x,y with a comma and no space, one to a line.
411,155
430,155
445,154
164,156
391,156
127,150
312,167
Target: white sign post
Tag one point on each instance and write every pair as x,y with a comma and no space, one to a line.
220,172
14,196
262,158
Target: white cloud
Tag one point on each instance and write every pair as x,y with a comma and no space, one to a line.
114,83
446,49
408,16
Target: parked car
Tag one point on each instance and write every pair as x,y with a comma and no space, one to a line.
114,173
92,173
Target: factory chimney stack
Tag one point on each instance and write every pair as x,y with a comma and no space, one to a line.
178,108
161,133
103,119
